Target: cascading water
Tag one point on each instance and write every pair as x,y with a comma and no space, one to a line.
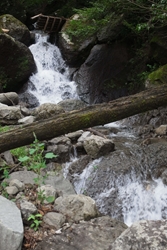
50,84
139,199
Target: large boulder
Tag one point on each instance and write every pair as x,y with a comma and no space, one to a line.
96,234
74,53
102,76
147,235
11,226
97,146
15,28
10,98
16,63
46,110
9,114
76,207
157,77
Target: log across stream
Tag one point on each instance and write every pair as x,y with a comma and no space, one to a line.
94,115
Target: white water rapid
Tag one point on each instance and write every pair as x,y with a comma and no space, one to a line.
139,199
50,83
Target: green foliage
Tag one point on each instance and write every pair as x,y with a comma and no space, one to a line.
35,219
19,152
144,75
89,22
33,157
139,17
4,128
42,197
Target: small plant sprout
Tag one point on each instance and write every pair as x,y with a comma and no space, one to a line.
35,159
42,197
35,221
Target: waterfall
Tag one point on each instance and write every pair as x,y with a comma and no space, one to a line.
51,82
139,199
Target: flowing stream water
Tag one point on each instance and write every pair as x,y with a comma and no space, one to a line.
140,200
51,81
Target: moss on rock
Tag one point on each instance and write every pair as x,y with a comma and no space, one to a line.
158,76
17,29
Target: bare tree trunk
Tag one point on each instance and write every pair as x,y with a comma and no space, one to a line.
94,115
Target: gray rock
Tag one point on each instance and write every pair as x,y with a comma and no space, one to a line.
76,207
9,114
9,98
8,157
60,183
147,235
96,234
12,190
74,135
161,130
84,136
20,185
27,119
27,177
62,147
56,180
27,208
54,219
76,167
97,146
11,226
102,76
17,29
47,110
69,105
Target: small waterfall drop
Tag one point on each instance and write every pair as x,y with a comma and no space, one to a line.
137,197
50,83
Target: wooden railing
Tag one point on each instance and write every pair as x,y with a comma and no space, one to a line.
49,24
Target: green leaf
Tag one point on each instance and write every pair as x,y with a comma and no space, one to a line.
38,215
32,151
23,159
31,217
50,155
50,199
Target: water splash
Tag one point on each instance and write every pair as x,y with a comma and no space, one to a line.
146,201
130,197
50,83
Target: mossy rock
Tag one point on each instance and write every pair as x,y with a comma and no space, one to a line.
157,77
16,63
17,29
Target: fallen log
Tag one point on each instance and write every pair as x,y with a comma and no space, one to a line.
94,115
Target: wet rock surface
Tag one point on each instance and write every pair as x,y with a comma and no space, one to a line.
147,235
96,234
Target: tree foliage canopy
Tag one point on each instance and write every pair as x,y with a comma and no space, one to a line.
139,16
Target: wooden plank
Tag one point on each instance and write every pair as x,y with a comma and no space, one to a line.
46,23
33,17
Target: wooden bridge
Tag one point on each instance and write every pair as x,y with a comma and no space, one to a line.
49,24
